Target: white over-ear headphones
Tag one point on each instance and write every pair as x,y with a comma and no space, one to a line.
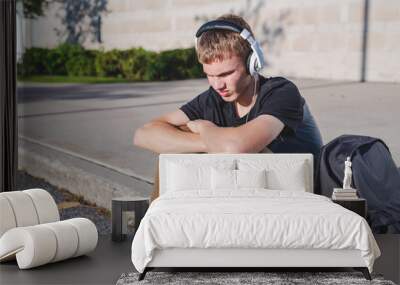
255,61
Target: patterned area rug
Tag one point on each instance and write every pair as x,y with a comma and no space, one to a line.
229,278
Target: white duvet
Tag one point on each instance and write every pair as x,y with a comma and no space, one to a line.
253,218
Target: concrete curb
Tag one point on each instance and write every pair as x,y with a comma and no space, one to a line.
97,182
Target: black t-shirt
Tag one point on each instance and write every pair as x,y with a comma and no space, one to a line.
277,96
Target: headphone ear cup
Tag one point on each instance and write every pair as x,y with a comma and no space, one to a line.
248,62
252,64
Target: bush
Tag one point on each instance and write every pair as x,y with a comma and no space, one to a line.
109,63
82,64
192,66
33,62
136,64
170,65
176,64
56,60
58,57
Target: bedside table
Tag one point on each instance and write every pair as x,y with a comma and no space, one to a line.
122,209
358,206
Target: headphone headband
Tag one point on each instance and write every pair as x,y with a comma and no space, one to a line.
218,25
256,59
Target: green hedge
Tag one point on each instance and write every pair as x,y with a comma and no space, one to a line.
110,63
135,64
33,62
138,63
175,64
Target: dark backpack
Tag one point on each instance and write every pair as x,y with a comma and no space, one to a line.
375,176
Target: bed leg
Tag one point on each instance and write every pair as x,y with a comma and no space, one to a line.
364,271
143,274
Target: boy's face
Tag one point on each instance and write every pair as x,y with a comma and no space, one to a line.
228,77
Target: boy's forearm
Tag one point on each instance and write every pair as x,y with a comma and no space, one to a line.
162,137
219,139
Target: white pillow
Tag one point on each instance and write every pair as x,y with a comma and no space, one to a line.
292,178
281,175
222,179
251,178
183,176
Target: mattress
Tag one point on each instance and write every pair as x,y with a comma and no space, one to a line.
250,219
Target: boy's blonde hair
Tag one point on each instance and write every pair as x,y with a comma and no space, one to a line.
217,45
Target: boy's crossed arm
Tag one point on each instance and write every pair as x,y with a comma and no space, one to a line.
175,133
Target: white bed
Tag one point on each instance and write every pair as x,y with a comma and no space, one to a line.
249,210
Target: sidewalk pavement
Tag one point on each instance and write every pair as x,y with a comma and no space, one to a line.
79,137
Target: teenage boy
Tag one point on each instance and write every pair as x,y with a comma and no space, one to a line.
242,111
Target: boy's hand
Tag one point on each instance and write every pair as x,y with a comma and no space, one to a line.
184,128
197,126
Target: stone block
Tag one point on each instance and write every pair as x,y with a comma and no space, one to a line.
152,5
328,14
356,12
386,11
